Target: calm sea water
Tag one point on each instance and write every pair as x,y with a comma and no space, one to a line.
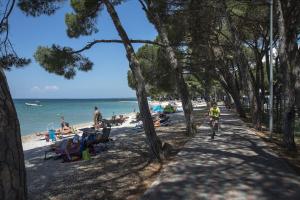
37,118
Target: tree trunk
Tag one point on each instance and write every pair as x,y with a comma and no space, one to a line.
181,87
262,86
257,112
154,142
229,86
12,168
259,88
297,85
267,56
238,105
180,82
277,106
237,102
288,115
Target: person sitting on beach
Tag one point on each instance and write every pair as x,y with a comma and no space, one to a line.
160,120
63,123
65,127
72,147
156,122
97,118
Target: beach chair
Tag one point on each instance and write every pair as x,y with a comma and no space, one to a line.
51,132
52,135
60,150
104,138
96,137
105,135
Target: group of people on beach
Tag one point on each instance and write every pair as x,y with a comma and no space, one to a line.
66,129
97,121
80,146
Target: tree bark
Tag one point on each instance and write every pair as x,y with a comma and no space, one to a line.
259,91
296,74
154,142
12,168
297,84
180,82
286,65
230,87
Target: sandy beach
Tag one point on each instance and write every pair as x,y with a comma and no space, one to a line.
123,171
32,141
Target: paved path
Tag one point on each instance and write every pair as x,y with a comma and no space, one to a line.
236,165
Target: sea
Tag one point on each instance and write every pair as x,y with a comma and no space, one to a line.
45,114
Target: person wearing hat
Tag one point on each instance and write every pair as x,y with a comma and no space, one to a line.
97,118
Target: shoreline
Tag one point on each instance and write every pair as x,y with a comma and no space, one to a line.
32,141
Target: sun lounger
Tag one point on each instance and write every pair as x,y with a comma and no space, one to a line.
104,139
91,139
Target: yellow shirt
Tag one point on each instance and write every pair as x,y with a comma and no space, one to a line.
214,112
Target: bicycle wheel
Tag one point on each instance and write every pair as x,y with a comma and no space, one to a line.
213,132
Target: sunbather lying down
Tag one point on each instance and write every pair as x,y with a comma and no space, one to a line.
117,120
158,120
64,130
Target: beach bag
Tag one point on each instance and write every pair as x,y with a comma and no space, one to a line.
86,154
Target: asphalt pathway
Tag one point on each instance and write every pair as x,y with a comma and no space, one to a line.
235,165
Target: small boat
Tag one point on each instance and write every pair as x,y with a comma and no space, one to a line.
32,104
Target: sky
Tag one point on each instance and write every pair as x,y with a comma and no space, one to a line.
108,78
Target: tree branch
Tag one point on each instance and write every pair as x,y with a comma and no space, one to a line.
89,45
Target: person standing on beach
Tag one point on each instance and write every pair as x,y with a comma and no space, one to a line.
97,118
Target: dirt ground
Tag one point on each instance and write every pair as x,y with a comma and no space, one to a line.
124,171
276,144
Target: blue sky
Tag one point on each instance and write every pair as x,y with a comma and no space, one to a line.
109,75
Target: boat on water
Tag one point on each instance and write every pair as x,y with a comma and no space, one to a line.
33,104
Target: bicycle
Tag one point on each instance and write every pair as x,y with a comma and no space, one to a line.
214,126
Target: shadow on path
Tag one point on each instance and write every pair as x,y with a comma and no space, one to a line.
117,173
235,165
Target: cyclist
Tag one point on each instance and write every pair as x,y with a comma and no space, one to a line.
214,114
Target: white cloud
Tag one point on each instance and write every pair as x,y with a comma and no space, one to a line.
47,88
35,89
51,88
